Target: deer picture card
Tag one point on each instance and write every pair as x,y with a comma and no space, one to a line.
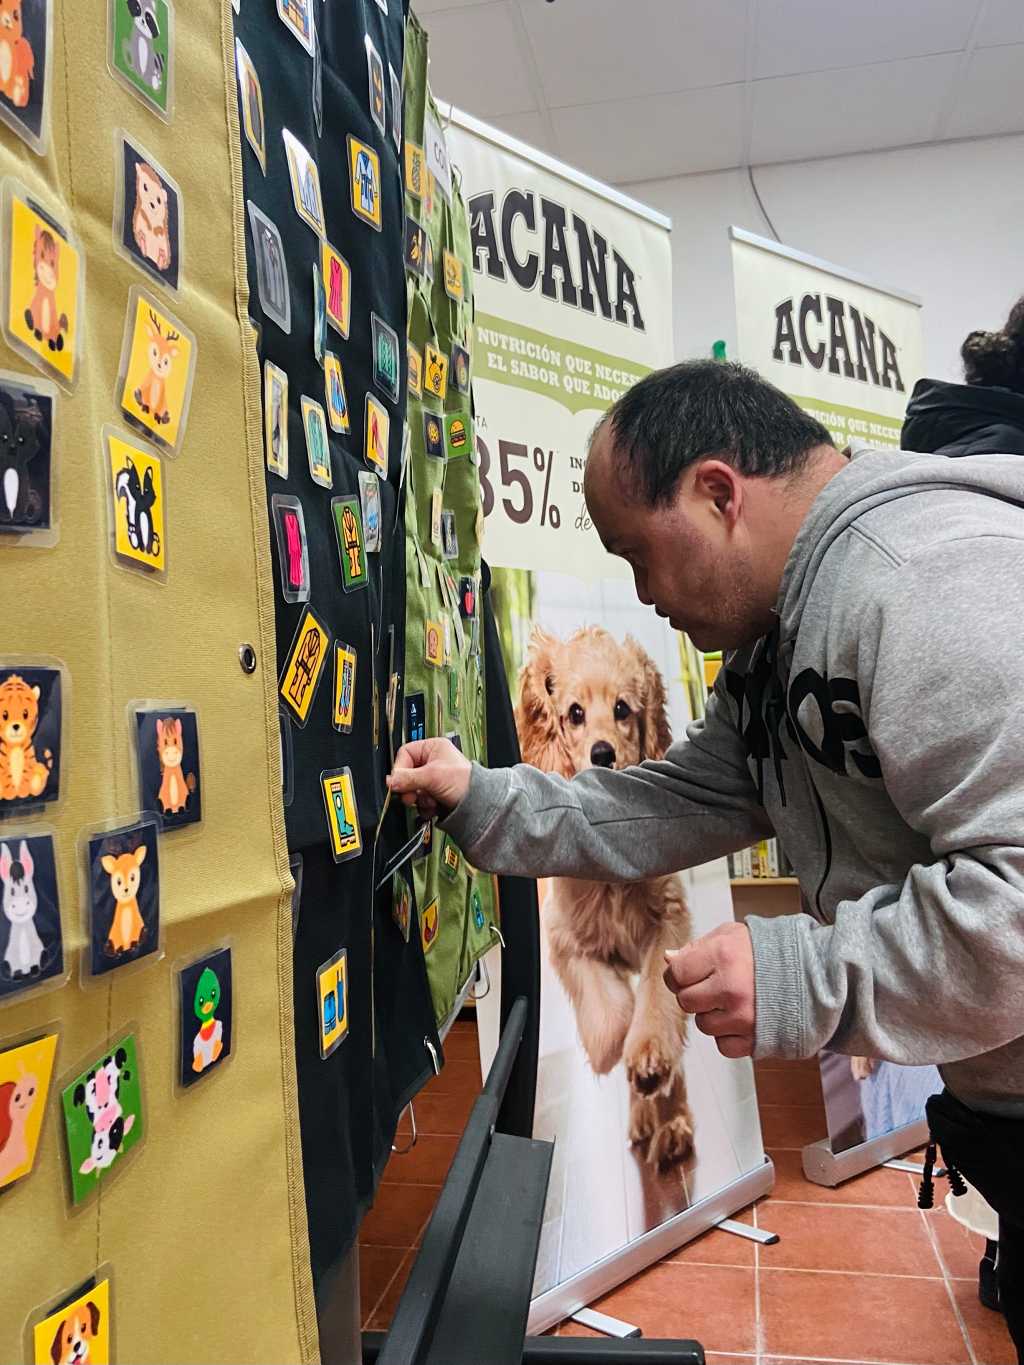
123,895
157,366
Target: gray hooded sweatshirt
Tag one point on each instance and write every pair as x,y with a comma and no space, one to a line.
879,732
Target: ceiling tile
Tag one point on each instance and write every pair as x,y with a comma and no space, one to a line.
828,113
1001,22
655,136
585,48
811,35
990,98
477,60
529,128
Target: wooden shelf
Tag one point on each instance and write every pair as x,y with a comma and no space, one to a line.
764,881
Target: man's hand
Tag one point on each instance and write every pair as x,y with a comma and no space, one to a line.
430,773
713,979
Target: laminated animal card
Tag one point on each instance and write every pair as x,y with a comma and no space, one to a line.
31,716
148,218
77,1329
43,285
102,1109
157,363
25,42
142,50
123,895
167,753
205,998
136,497
27,410
31,943
25,1073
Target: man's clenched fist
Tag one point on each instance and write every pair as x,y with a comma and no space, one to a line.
430,774
713,979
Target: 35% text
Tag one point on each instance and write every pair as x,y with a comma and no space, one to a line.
519,469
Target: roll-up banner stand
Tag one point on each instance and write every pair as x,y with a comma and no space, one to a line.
656,1137
849,352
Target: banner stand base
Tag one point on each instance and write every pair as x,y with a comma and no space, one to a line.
914,1168
825,1167
568,1298
752,1234
601,1322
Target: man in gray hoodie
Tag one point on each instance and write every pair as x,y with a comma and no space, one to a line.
870,713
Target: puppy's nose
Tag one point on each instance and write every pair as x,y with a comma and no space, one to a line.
602,755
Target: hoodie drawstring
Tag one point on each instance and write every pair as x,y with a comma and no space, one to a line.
926,1190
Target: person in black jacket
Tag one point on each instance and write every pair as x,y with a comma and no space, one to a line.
983,416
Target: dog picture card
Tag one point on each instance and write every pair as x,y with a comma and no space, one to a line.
142,50
31,941
205,1016
43,283
136,498
167,758
102,1108
148,224
77,1329
31,716
158,361
27,410
123,895
25,39
25,1072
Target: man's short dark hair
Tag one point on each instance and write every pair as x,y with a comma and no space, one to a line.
703,408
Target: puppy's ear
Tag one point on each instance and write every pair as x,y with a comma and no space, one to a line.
537,721
55,1349
656,732
94,1314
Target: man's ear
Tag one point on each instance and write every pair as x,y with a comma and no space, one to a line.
720,486
537,720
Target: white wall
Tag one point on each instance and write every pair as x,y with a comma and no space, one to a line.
944,222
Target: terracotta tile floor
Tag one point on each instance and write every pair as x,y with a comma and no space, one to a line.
859,1276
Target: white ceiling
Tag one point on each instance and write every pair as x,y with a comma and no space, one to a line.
634,90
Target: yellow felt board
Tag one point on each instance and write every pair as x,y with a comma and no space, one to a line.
204,1228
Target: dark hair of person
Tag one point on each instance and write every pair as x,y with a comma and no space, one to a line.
707,408
996,359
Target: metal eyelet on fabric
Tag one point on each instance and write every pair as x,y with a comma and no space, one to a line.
247,658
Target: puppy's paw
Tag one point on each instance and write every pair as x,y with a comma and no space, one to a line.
602,1029
672,1143
643,1122
649,1065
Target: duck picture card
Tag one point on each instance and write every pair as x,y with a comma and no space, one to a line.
206,1001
